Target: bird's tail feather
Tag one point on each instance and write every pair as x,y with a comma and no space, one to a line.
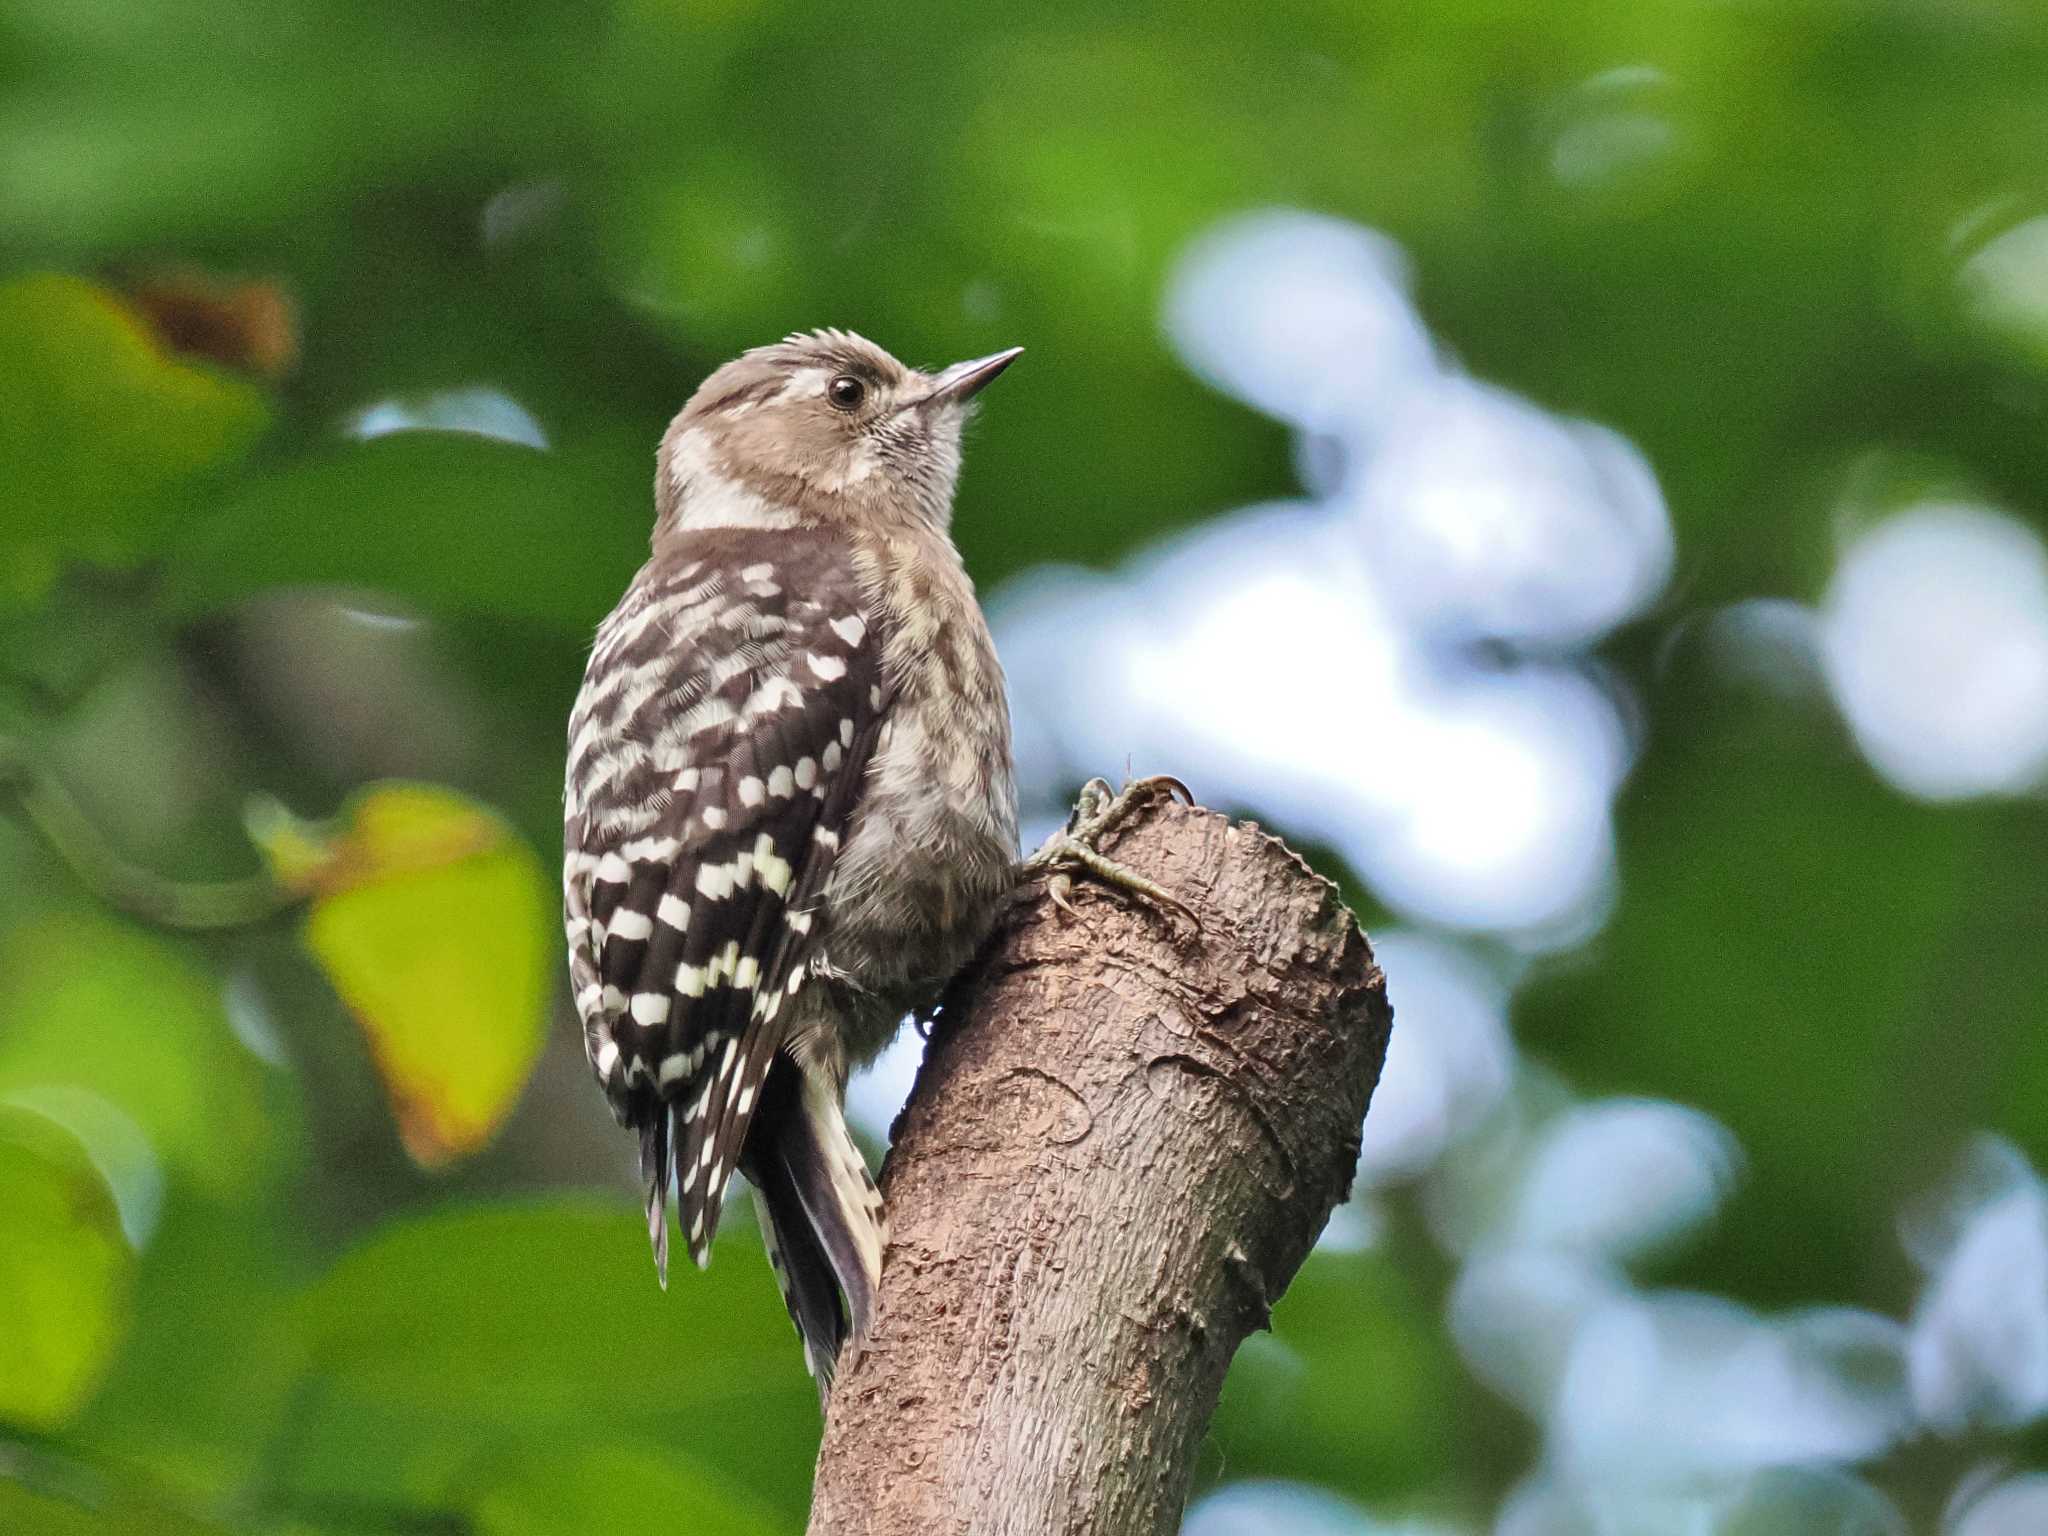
802,1270
654,1169
821,1214
839,1196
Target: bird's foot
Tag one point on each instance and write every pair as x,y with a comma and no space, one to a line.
1072,850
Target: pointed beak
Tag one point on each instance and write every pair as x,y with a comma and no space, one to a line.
963,381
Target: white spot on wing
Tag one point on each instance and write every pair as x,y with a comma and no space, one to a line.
777,693
774,870
649,850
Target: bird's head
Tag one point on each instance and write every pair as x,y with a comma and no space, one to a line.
817,428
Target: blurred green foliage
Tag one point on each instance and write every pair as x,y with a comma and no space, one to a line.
208,590
101,427
65,1271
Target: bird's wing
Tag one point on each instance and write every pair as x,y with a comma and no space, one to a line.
718,751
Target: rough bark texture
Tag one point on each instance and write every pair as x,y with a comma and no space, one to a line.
1111,1167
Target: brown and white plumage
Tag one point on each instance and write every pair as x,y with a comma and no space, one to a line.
789,808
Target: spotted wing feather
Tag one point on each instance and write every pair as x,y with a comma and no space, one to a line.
717,756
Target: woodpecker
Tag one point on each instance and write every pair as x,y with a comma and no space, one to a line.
790,812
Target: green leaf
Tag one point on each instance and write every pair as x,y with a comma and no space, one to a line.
611,1489
431,919
528,1325
28,1512
94,1003
198,1391
538,1310
97,423
65,1272
453,522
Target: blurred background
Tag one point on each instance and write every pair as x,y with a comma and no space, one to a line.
1579,471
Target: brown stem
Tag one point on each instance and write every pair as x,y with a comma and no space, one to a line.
1111,1168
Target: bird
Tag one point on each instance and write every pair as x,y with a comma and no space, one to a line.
789,807
790,811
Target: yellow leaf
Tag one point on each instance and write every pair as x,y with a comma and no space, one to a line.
430,917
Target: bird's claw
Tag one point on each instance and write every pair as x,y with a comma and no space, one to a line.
1057,885
1072,848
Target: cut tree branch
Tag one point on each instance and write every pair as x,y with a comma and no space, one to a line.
1114,1162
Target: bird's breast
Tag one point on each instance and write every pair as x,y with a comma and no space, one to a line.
933,847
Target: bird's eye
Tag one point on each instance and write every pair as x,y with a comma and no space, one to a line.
846,392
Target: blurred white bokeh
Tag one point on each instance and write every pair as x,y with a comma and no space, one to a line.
1979,1338
1657,1387
477,409
1254,658
1274,1508
1303,317
1447,1065
1487,517
1574,1197
1934,634
1780,1501
1623,1178
2015,1507
1315,661
1514,1312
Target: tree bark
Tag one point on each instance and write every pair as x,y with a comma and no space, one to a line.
1112,1165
